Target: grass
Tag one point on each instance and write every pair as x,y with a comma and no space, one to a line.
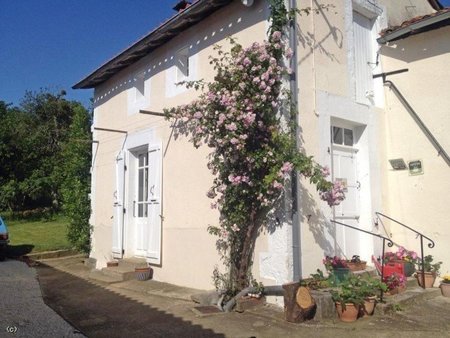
42,235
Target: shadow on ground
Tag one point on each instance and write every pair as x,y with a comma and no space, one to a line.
17,251
98,312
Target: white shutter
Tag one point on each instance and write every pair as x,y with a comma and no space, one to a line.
362,39
119,194
154,203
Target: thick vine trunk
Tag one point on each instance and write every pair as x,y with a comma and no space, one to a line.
245,260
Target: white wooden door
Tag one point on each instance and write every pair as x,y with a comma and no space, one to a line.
119,195
345,169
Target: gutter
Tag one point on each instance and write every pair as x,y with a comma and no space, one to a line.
293,86
413,28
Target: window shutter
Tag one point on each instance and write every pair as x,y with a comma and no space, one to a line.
119,194
154,203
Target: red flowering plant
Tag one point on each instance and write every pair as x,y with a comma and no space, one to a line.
335,262
394,281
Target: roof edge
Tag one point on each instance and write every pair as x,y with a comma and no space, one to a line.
169,29
410,29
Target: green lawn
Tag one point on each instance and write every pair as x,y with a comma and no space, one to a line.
42,235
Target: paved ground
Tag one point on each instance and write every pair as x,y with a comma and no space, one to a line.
23,312
146,309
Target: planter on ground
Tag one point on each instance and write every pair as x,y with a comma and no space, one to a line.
430,277
349,313
143,274
445,289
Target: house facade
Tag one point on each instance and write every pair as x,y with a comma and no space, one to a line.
149,188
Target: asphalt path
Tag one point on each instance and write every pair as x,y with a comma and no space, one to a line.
23,312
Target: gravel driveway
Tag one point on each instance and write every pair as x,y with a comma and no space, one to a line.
22,310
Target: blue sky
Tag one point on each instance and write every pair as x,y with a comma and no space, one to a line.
55,43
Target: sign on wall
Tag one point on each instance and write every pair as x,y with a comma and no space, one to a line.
415,167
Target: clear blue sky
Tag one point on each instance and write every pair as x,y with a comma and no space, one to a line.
55,43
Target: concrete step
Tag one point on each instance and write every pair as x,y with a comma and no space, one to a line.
99,276
133,262
121,272
413,294
370,271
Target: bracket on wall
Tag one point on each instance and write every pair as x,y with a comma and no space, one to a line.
111,130
383,75
148,112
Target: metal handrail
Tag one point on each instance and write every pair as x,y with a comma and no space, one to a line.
422,236
390,244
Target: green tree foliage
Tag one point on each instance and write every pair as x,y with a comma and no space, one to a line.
45,159
76,157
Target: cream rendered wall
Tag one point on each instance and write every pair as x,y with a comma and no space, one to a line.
326,93
419,201
188,251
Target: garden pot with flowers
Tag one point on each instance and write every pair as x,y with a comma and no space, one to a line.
370,289
445,286
406,257
337,268
356,264
348,299
396,283
431,271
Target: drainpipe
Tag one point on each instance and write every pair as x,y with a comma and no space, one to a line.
293,86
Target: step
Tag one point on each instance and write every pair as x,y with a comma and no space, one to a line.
99,276
370,271
408,297
133,263
123,272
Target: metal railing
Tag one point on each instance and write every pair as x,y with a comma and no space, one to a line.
422,236
389,243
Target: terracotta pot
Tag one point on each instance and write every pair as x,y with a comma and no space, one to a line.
143,274
397,290
350,314
357,266
369,307
112,264
430,277
445,289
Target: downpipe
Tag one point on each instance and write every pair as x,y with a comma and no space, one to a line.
273,290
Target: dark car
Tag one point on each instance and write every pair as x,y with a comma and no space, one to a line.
4,238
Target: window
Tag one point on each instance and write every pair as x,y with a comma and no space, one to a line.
342,136
142,188
182,64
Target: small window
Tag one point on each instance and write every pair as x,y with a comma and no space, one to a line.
182,64
342,136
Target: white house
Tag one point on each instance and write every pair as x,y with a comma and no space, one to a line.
149,189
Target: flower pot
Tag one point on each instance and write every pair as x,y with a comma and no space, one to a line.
143,274
430,277
396,290
112,264
369,307
357,266
408,267
341,275
445,289
349,314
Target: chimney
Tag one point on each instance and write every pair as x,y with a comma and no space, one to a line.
181,5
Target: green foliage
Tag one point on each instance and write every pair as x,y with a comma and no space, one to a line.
45,154
349,292
429,265
76,156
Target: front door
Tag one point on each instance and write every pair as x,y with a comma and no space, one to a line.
345,169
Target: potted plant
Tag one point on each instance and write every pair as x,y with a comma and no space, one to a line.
445,286
407,258
337,268
370,289
356,264
348,299
431,271
396,283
